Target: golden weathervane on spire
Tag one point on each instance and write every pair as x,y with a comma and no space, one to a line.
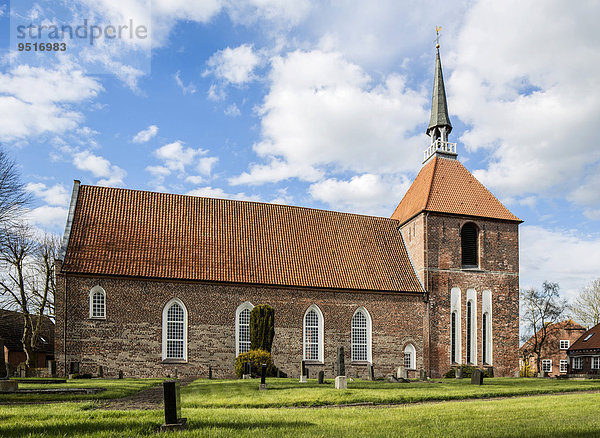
437,37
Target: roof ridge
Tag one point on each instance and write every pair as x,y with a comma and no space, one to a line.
243,201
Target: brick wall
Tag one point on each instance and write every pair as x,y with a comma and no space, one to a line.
130,337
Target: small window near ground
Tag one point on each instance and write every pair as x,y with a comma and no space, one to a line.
547,365
564,344
577,363
410,357
596,363
563,365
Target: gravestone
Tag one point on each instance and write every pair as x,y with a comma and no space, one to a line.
423,374
402,373
209,373
490,371
263,376
303,372
321,377
371,372
120,374
7,385
247,371
477,377
458,373
172,397
74,368
52,368
341,382
100,371
341,366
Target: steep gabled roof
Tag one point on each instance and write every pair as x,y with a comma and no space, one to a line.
568,324
445,186
125,232
592,342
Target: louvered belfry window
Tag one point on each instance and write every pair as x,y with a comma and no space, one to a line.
469,246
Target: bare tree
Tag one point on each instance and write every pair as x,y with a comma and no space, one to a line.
586,308
27,280
539,310
13,195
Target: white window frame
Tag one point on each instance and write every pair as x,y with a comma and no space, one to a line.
564,364
548,363
320,335
565,344
367,315
95,290
164,331
578,363
410,349
595,362
246,305
486,307
455,306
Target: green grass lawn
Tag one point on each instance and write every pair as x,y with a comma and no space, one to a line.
115,388
289,392
572,415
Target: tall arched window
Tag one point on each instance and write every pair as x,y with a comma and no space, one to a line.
242,328
360,336
97,303
453,346
471,326
174,331
486,328
455,325
313,334
469,330
469,238
410,357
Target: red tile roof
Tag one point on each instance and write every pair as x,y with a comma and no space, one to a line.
157,235
568,324
445,186
593,342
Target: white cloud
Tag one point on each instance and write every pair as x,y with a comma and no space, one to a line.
176,157
322,110
523,79
210,192
205,165
232,111
35,101
47,216
100,167
146,134
55,195
158,171
187,89
561,256
367,193
234,66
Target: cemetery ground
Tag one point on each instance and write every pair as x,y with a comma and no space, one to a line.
445,407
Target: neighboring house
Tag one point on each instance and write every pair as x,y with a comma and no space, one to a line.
561,336
154,283
584,354
11,333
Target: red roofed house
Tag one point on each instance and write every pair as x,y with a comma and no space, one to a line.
153,282
584,354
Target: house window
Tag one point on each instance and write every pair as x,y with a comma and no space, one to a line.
313,334
469,237
97,303
563,365
588,337
577,363
360,336
453,338
175,328
596,363
242,328
410,357
564,344
547,365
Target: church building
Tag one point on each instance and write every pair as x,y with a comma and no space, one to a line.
152,284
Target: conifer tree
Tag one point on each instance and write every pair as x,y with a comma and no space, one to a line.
262,327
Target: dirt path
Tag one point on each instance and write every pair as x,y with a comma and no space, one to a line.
148,399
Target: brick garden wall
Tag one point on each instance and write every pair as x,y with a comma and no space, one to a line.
130,337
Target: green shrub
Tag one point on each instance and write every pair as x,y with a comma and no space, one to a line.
467,371
262,327
256,359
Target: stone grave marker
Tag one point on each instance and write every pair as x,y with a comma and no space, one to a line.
477,377
371,372
100,371
247,371
458,373
51,368
120,374
303,372
263,376
172,397
341,382
423,374
402,373
341,366
321,377
209,373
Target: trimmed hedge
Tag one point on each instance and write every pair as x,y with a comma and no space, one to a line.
262,327
256,359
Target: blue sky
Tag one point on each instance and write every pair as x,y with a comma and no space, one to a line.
319,104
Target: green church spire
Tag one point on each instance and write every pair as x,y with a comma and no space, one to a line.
439,107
